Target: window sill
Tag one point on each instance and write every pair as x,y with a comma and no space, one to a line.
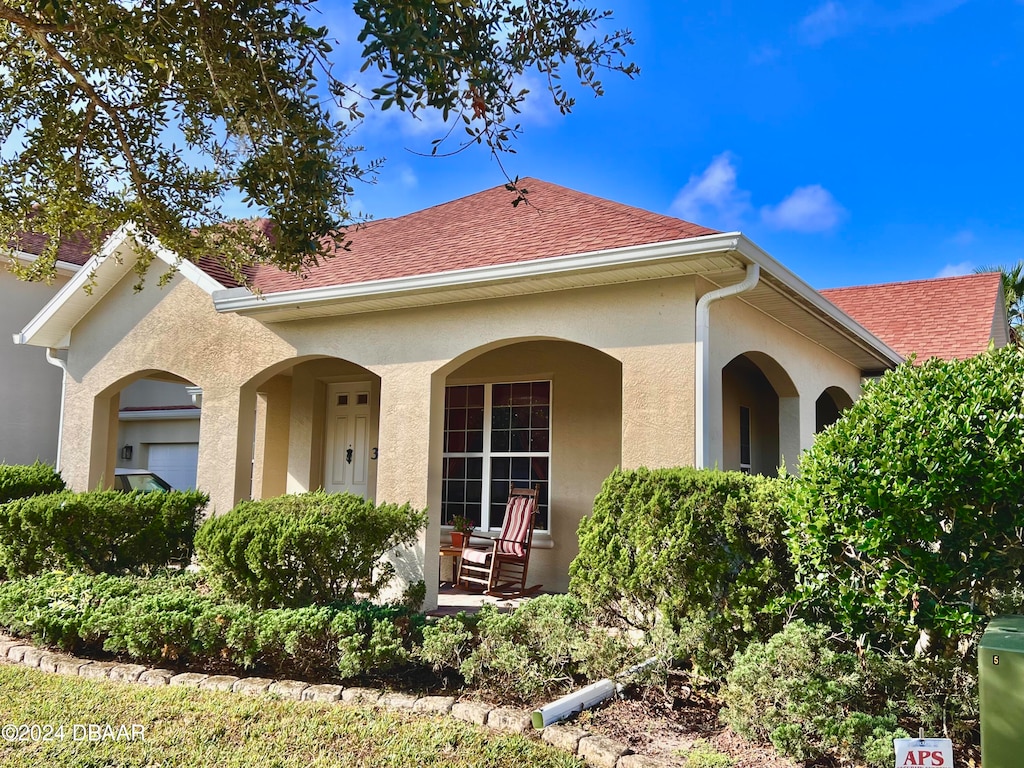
541,539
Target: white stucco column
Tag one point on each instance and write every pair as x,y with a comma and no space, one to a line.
409,460
791,431
657,405
270,462
226,434
808,420
102,450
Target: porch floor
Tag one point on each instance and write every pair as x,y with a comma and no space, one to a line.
452,600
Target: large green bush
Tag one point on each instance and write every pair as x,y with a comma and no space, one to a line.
545,647
175,618
98,532
809,700
305,549
908,516
699,551
20,480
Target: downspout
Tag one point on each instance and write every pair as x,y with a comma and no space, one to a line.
52,359
702,356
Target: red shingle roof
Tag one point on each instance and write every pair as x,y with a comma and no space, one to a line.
74,250
950,318
483,230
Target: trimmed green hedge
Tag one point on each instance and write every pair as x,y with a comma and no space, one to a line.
98,532
176,618
547,646
20,480
699,552
305,549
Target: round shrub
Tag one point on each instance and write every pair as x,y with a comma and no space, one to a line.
907,519
98,531
700,551
20,480
306,549
809,699
546,646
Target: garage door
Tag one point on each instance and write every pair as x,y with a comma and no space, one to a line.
175,463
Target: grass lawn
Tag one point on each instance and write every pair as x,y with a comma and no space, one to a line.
186,727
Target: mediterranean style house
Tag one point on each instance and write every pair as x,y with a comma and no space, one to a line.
458,349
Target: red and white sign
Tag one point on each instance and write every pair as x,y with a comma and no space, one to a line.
923,753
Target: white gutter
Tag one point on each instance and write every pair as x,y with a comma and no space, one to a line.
52,359
703,358
160,414
65,268
242,299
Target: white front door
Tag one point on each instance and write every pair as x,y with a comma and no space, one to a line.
347,454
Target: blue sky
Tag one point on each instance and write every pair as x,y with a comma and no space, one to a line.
855,141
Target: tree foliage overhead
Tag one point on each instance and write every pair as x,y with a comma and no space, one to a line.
153,111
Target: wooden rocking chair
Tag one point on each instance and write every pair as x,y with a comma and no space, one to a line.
500,564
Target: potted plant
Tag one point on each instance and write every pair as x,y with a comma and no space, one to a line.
461,528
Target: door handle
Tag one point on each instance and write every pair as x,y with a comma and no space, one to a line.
348,455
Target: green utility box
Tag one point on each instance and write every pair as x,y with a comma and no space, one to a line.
1001,690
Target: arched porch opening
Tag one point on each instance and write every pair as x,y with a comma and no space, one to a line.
760,415
315,422
829,407
544,413
147,421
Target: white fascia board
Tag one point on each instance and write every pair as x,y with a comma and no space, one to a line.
64,268
157,414
748,249
187,269
105,271
241,300
77,283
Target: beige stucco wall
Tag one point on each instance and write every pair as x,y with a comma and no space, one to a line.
647,327
737,328
29,386
624,389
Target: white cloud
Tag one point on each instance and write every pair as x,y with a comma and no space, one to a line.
963,237
955,270
406,177
833,18
713,198
828,20
766,54
806,209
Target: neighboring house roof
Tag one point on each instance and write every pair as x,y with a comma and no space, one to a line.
482,230
950,318
75,249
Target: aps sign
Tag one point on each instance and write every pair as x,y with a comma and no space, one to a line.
923,753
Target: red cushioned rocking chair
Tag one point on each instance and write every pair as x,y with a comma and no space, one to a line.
500,564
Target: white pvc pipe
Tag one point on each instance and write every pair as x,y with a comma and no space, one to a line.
569,705
702,355
52,359
584,698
